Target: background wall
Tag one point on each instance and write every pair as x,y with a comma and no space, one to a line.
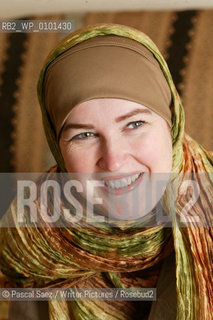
20,8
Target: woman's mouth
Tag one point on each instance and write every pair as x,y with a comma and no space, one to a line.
122,185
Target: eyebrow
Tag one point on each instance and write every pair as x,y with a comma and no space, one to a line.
77,126
133,113
119,119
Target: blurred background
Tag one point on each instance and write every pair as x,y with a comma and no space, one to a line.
183,31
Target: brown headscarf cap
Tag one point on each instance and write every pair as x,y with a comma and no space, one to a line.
105,67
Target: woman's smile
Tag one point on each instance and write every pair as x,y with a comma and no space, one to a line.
123,184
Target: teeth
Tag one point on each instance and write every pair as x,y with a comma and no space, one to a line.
121,183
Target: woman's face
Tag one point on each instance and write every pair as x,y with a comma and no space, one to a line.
123,146
115,136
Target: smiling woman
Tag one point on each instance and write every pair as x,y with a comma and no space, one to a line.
112,115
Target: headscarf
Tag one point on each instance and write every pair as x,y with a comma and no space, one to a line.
114,67
96,257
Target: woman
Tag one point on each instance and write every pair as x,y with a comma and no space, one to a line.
110,109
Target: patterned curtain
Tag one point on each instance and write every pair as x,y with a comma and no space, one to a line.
23,146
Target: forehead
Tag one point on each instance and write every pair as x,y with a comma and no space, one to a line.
106,107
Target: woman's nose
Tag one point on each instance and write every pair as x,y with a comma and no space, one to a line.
113,157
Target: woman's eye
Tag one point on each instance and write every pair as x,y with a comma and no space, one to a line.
135,124
83,135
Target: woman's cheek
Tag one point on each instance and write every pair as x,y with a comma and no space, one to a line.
150,151
79,161
145,150
75,162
